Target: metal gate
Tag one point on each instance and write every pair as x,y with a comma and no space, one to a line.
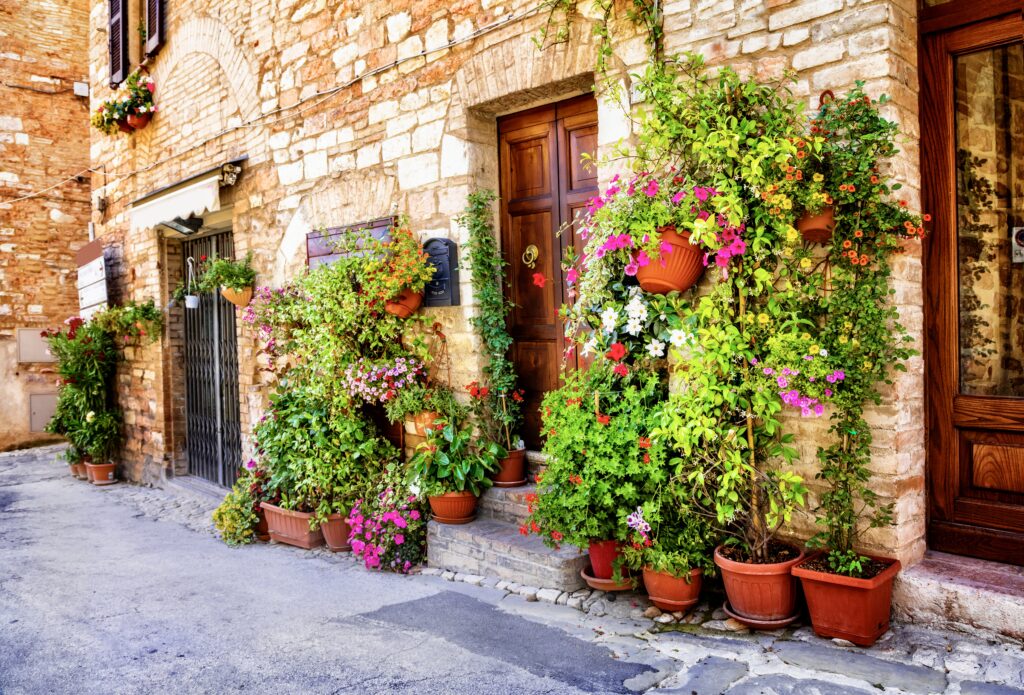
214,433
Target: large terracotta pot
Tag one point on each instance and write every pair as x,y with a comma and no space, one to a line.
138,121
336,533
513,470
102,473
761,593
291,528
674,271
424,419
852,609
817,229
78,470
405,304
239,298
603,555
671,593
454,507
262,530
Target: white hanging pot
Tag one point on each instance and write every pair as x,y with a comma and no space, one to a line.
191,301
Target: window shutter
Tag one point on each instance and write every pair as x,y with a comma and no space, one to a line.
154,26
118,42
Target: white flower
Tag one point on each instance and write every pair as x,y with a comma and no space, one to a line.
656,348
589,347
823,352
609,319
90,416
636,309
678,337
634,326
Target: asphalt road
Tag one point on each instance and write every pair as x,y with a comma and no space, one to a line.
97,598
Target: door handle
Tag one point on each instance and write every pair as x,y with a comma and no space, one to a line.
530,256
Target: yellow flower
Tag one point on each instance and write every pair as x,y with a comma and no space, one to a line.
763,319
813,350
818,178
842,340
792,235
787,204
869,365
805,263
848,325
805,336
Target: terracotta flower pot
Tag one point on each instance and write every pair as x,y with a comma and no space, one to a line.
102,473
262,531
336,533
513,470
675,271
424,419
852,609
603,555
239,298
125,126
78,471
453,507
671,593
405,304
138,121
760,593
817,229
291,528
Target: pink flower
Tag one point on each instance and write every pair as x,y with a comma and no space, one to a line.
652,189
677,197
414,515
571,276
399,539
400,522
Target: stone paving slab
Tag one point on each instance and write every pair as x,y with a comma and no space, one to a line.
878,672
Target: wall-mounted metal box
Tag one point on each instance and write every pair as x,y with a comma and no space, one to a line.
32,346
41,407
443,289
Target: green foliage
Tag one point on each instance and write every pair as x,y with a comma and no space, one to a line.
134,97
498,410
418,398
448,461
678,537
226,272
235,517
387,268
132,322
601,462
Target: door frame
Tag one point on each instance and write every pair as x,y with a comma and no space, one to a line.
944,407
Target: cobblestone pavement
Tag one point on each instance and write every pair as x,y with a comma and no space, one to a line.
179,612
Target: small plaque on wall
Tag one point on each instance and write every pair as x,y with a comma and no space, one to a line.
443,289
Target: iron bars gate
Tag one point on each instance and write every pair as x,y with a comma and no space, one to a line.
214,432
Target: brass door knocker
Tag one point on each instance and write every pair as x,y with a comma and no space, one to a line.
530,256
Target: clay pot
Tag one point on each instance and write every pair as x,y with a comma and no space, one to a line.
424,419
102,473
454,507
762,593
852,609
80,471
603,555
405,304
671,593
239,298
817,229
336,533
138,121
674,271
262,532
291,528
513,470
125,127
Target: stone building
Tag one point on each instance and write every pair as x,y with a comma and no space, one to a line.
44,208
281,116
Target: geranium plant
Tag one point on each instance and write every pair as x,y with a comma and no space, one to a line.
666,534
132,322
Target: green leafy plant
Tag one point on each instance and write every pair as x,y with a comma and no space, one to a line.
448,461
417,398
391,266
132,321
225,272
497,405
666,534
135,97
235,517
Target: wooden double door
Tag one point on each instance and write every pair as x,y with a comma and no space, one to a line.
972,127
546,178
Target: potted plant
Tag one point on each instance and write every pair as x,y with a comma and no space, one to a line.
452,472
423,407
240,518
98,434
388,526
396,272
671,544
600,459
497,403
131,322
141,108
234,278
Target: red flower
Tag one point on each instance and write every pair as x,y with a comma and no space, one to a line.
484,391
617,352
534,527
644,442
575,479
621,369
556,536
523,530
531,498
604,419
202,258
647,458
517,396
926,217
539,280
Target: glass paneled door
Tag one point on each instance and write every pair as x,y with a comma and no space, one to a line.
973,157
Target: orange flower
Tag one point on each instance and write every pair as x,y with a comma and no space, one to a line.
556,536
644,442
926,217
858,233
847,244
799,175
874,179
604,419
801,154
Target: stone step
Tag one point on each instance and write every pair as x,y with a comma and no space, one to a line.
495,548
506,504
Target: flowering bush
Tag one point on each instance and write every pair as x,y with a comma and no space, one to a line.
393,266
448,461
650,326
380,382
135,97
276,314
389,529
236,516
667,534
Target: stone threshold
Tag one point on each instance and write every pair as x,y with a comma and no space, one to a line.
962,593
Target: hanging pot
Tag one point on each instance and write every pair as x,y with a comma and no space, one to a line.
405,304
138,121
239,298
124,126
761,595
817,229
513,470
845,607
191,301
677,268
671,593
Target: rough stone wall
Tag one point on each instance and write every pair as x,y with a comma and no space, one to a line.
417,132
43,136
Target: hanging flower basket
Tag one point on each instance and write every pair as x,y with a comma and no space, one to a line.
191,301
239,298
405,304
138,121
677,269
817,229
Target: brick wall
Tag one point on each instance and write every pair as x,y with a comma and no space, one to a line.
275,80
43,140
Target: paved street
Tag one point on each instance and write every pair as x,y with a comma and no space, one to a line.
126,590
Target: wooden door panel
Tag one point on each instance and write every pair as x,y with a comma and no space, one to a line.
529,160
533,360
999,468
535,313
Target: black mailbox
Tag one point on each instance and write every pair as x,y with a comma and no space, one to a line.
443,289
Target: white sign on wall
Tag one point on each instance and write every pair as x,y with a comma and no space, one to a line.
92,279
1017,244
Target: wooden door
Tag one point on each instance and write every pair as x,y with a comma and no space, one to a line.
544,182
973,172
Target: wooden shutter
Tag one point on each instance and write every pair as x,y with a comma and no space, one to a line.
154,26
118,42
322,249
